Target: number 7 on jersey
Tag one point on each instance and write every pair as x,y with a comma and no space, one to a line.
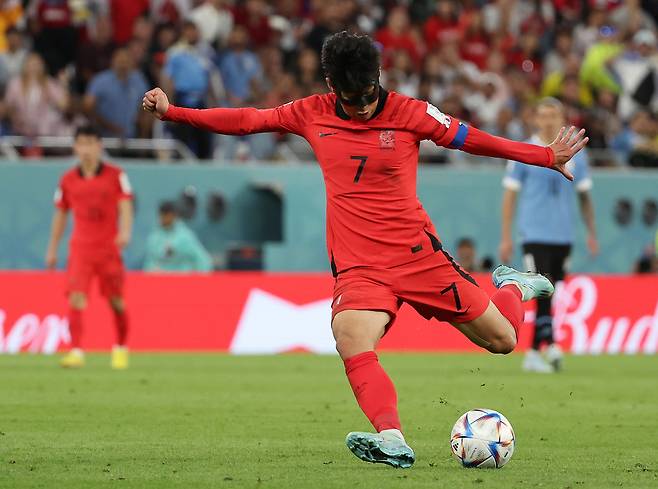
359,170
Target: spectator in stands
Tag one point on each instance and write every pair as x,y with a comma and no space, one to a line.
475,45
556,58
636,71
138,50
637,143
11,16
170,11
401,75
631,15
398,35
488,99
35,103
55,35
555,84
95,55
173,247
330,16
644,140
190,77
143,29
11,61
242,73
525,55
214,19
309,76
253,15
113,98
164,38
587,34
513,16
568,12
601,121
124,14
431,86
443,26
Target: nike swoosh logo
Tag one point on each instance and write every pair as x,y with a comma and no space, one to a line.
325,134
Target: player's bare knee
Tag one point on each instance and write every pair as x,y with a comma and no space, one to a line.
503,344
350,339
77,300
346,340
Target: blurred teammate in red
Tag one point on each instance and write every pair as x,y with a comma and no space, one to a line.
382,246
100,198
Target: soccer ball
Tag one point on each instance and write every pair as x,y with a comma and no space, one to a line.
482,438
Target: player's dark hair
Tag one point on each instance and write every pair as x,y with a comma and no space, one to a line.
87,130
350,61
466,242
168,207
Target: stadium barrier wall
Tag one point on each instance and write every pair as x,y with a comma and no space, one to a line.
263,313
461,202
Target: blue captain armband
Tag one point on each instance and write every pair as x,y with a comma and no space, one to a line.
460,138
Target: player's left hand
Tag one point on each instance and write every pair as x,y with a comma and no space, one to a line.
565,146
122,240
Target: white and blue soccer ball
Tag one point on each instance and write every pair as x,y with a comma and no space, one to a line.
482,438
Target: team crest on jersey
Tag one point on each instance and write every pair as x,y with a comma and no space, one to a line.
387,139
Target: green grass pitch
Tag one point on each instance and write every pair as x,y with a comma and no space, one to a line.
201,421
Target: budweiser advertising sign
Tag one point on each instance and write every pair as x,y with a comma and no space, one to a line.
248,313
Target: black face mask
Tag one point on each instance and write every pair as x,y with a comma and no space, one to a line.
360,100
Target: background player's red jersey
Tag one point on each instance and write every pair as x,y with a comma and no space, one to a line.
374,217
94,203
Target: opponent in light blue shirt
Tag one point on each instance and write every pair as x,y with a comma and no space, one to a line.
545,224
546,211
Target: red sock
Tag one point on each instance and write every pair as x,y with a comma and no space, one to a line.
373,390
508,301
75,327
121,325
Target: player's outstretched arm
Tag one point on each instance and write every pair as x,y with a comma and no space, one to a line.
554,156
237,122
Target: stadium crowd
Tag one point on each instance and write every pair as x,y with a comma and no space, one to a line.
64,61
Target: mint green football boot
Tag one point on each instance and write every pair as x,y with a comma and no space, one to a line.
381,448
532,285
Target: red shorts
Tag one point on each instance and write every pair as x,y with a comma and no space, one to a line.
435,286
107,266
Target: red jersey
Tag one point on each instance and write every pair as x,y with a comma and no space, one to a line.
94,202
374,217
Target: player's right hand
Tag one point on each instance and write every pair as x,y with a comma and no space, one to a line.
51,259
506,250
156,101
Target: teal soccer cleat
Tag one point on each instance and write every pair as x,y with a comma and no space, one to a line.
532,285
381,448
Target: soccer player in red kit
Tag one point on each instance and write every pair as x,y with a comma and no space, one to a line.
100,198
382,246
